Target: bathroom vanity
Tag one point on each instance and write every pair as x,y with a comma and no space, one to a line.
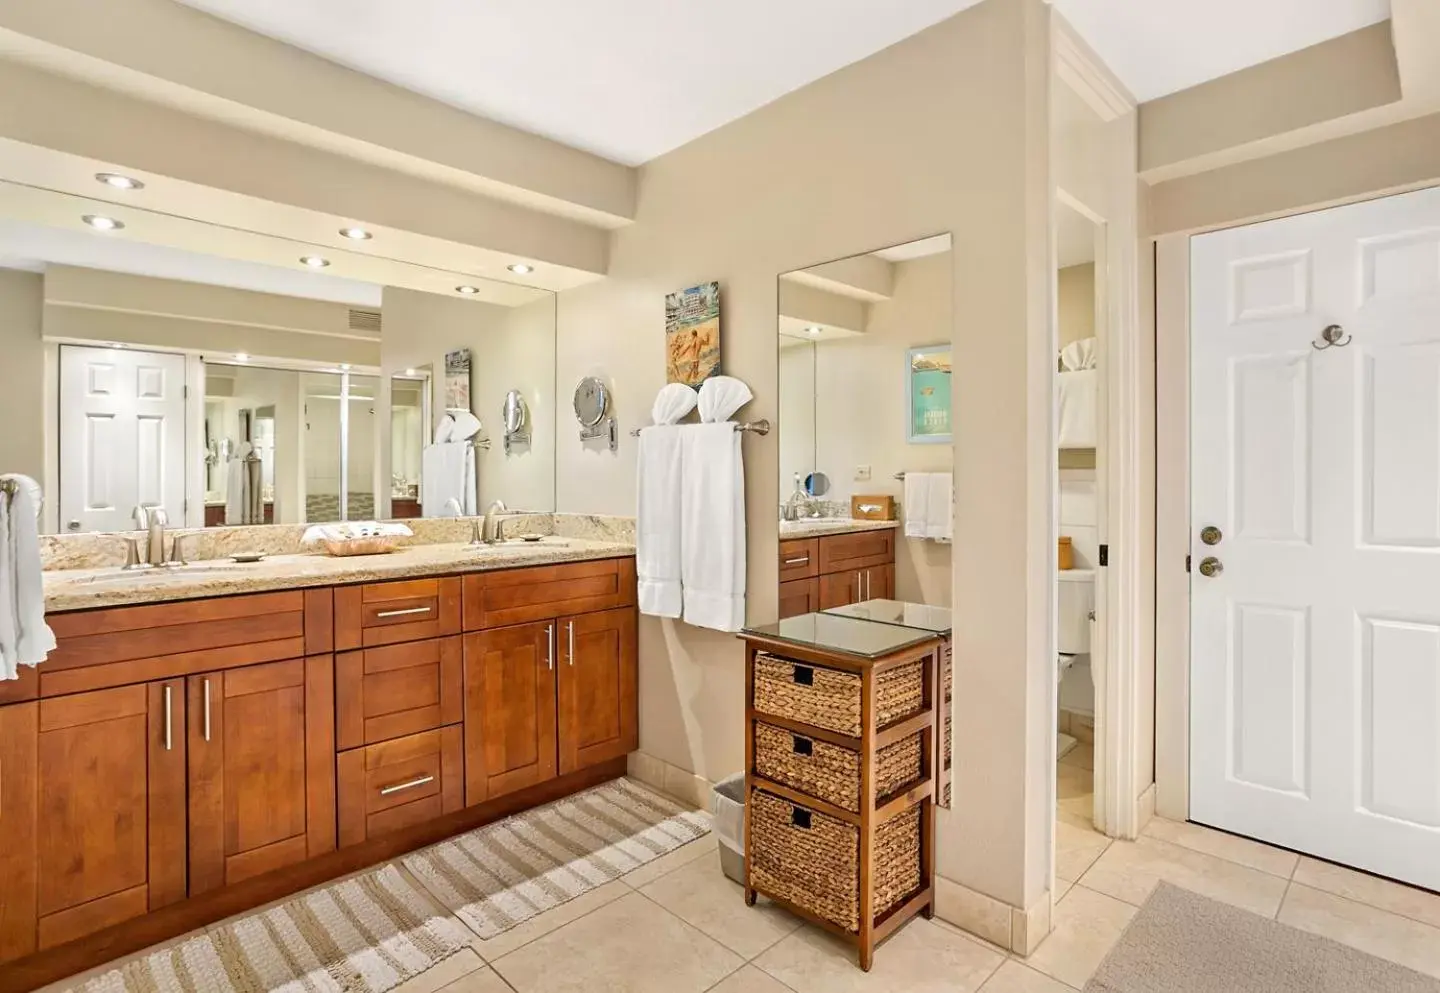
179,760
826,564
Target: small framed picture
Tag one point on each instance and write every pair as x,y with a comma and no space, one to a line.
927,387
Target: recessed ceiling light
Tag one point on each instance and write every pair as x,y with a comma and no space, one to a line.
118,181
314,261
356,234
241,357
520,268
409,372
469,291
344,366
101,223
813,330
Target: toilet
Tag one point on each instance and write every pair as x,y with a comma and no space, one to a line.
1075,603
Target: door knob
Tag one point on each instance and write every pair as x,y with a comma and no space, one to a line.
1211,535
1211,566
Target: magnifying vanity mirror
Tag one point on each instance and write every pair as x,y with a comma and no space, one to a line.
516,416
592,409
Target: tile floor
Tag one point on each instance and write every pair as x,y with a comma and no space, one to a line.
678,926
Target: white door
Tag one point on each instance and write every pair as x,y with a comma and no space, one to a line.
1315,653
122,436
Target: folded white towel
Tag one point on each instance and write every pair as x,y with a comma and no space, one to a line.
917,504
445,430
712,512
25,638
1078,355
349,530
672,403
929,505
447,472
657,526
466,425
721,397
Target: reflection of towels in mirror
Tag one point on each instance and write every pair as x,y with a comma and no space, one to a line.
447,473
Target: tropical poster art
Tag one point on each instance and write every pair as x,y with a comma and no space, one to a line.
692,334
457,379
928,384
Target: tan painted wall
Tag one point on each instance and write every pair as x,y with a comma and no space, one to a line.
1075,286
22,444
511,348
945,131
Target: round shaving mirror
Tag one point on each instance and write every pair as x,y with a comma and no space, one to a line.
514,412
592,401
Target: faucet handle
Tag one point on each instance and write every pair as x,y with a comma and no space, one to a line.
177,548
141,516
476,537
132,551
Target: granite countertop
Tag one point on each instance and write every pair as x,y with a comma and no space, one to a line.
819,527
81,589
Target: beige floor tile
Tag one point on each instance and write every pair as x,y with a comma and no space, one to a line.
1275,861
750,980
1382,934
1130,870
1062,886
441,975
920,958
982,942
632,945
1016,977
1394,897
540,925
1087,926
651,871
699,894
1072,782
1079,811
1076,849
1082,756
480,981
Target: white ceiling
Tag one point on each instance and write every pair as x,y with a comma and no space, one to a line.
1161,46
631,79
32,246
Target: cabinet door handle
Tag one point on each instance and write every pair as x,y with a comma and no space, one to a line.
387,790
570,626
169,740
859,586
206,694
403,613
550,647
800,561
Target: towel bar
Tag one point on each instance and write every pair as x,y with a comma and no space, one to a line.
761,426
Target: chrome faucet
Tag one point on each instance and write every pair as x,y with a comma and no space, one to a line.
491,530
152,519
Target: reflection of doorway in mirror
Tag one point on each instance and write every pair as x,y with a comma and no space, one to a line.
409,400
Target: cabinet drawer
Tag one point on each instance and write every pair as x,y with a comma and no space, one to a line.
842,552
400,783
830,698
390,613
832,772
799,559
522,596
389,692
799,596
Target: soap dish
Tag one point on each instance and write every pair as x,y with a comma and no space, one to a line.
247,558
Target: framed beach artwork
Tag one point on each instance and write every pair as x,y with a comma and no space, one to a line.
692,334
927,387
457,379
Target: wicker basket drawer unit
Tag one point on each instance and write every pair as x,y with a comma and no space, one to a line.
830,698
813,861
831,772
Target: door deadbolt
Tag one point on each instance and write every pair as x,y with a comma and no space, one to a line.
1211,535
1211,566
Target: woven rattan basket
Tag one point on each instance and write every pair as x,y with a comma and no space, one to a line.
829,772
813,861
830,698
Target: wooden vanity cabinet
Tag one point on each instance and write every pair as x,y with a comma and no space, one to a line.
597,696
510,732
847,568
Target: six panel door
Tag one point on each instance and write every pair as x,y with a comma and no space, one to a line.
110,813
597,700
510,737
262,769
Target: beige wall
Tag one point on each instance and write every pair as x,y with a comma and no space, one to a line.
861,416
1075,286
510,348
22,444
945,131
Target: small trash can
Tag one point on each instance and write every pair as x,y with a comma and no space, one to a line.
727,804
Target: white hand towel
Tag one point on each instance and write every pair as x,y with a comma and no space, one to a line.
25,638
1078,355
712,514
447,472
466,425
917,504
672,403
657,524
445,430
721,397
940,506
235,485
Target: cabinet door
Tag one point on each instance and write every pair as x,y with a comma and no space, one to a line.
262,769
598,701
860,550
110,783
509,709
879,583
19,799
799,596
841,588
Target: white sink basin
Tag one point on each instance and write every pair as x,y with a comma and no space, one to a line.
165,574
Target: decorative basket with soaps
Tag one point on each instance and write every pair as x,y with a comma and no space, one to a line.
356,537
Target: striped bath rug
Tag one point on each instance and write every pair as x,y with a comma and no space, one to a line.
503,874
364,935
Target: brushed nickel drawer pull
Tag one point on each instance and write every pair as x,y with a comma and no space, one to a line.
804,561
550,647
403,613
169,742
207,709
387,790
570,625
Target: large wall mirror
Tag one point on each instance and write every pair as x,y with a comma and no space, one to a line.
865,407
233,378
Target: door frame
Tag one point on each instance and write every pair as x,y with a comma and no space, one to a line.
1172,497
